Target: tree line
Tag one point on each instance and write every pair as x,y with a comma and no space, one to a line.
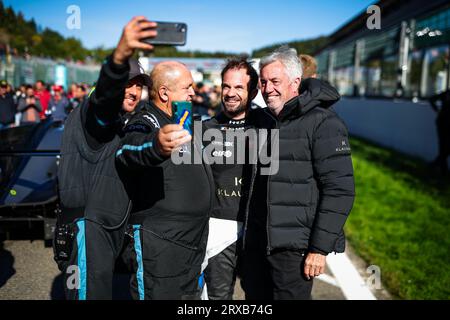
26,37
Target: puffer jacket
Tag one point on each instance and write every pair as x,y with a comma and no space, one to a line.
311,195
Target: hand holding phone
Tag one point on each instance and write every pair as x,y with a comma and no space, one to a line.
169,33
170,137
137,29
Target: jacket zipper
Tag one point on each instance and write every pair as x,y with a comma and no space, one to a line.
269,248
247,209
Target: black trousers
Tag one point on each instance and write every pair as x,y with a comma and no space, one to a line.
163,269
89,267
278,276
221,272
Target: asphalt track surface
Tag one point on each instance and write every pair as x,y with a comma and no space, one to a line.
28,272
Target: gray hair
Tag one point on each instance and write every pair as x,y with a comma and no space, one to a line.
288,57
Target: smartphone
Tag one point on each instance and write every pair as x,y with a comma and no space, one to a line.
169,33
182,113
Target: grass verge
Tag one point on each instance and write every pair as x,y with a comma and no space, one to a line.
401,221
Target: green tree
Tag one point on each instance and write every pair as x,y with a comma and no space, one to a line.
309,46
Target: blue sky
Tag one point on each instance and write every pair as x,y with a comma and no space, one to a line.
231,25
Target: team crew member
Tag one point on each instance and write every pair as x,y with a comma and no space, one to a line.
7,106
239,87
171,203
296,216
94,203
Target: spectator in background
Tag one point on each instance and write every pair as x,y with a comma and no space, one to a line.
59,104
30,106
309,66
9,89
7,106
43,95
20,93
71,93
78,96
215,101
201,101
443,128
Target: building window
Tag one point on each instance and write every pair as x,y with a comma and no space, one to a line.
414,74
389,76
434,71
322,65
343,80
372,74
379,64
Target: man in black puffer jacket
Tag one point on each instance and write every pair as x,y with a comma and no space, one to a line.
295,216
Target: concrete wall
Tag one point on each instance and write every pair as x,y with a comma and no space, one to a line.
401,125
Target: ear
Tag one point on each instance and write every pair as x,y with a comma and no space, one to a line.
296,83
162,92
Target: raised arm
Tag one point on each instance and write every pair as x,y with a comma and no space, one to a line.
106,100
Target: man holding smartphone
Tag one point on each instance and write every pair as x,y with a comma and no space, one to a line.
171,203
94,204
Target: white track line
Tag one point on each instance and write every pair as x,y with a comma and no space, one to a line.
347,278
327,279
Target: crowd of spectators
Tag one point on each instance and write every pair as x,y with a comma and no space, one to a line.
207,100
33,103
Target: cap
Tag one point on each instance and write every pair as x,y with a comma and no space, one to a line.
57,88
3,83
136,70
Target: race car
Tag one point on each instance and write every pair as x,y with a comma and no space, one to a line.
28,175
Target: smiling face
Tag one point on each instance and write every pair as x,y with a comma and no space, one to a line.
235,93
170,81
133,93
276,87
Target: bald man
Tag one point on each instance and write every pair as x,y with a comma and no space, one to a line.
171,203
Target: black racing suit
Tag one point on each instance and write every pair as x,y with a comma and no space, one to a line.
229,205
171,206
94,204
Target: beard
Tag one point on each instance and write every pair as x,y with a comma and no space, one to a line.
234,111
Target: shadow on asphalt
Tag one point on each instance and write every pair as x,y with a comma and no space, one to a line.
6,265
21,231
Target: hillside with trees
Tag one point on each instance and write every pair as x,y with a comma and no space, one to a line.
25,37
309,46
